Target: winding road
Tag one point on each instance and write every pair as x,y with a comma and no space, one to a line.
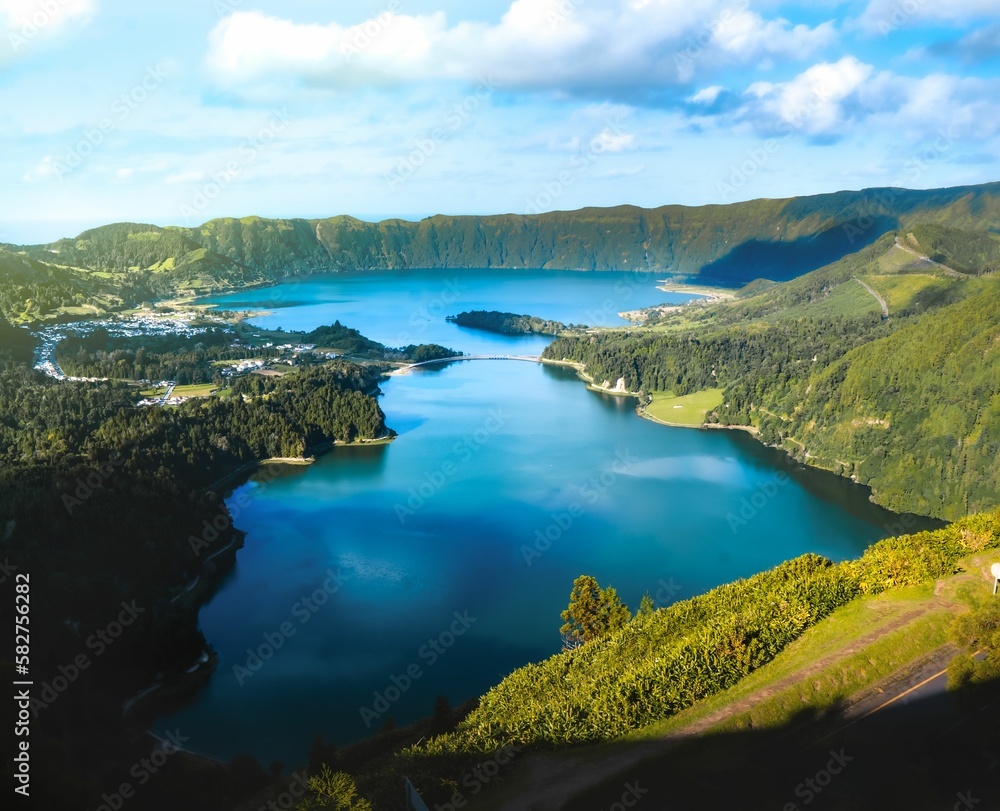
881,301
945,268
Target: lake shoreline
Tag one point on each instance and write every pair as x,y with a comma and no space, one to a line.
704,426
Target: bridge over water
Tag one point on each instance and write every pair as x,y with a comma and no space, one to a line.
528,358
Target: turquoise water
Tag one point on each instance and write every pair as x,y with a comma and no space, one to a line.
398,308
439,563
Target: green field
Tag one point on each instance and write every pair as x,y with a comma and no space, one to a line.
200,390
902,290
848,299
687,410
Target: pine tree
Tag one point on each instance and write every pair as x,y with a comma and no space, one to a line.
592,613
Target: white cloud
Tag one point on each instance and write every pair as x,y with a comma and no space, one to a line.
23,23
814,102
184,177
613,141
885,16
831,100
45,170
749,36
605,45
707,95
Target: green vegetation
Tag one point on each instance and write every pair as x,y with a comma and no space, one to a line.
779,239
663,662
593,612
507,323
125,264
333,791
973,252
122,497
185,360
351,342
908,406
977,632
691,409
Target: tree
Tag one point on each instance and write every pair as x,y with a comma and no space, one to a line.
333,791
646,605
441,721
592,613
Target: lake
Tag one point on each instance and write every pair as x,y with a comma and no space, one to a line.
381,577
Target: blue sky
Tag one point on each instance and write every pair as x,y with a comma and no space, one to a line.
178,112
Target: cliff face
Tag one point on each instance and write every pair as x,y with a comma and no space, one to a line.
724,244
776,239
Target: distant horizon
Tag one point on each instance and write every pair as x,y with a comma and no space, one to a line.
87,225
179,113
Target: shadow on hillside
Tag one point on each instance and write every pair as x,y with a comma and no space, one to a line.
941,752
781,261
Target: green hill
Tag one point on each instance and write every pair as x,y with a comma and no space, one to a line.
730,244
908,404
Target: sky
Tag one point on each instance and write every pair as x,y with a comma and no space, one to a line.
176,113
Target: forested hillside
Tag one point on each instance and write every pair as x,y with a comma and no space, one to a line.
724,244
908,404
732,244
121,497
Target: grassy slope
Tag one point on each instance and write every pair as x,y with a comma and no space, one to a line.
778,239
914,414
847,657
687,410
918,411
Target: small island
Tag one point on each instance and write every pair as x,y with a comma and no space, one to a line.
509,323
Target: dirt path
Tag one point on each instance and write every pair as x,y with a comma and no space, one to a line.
881,301
945,268
547,781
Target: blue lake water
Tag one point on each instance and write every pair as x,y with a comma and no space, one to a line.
409,307
455,547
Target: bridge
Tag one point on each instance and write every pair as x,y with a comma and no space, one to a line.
528,358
